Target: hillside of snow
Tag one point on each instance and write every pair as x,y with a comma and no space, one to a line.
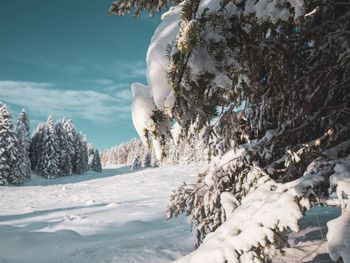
118,216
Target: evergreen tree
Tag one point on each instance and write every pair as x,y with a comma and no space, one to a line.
85,154
49,161
70,143
22,129
68,150
268,84
136,163
91,151
35,145
10,171
65,163
78,161
96,162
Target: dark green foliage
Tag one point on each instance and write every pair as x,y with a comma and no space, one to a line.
35,145
48,164
294,83
123,7
276,92
65,163
22,129
63,147
136,163
96,162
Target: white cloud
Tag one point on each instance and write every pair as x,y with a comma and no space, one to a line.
124,95
44,99
119,69
135,69
117,87
104,81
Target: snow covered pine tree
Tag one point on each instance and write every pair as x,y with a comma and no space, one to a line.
23,128
268,84
11,169
65,162
96,162
67,149
49,161
136,163
35,145
91,151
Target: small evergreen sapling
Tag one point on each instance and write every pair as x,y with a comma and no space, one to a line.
136,163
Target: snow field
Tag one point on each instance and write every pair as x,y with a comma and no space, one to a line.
119,216
116,216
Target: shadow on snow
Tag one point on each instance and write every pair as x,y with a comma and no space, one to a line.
37,180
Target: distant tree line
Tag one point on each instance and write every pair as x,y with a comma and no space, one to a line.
137,155
54,149
132,153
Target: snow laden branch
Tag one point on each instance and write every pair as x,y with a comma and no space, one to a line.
254,223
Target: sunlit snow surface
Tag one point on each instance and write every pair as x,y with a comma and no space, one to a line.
116,216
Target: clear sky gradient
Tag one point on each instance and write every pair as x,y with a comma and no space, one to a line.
67,58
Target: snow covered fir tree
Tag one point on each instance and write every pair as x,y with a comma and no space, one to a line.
94,160
23,134
14,158
267,85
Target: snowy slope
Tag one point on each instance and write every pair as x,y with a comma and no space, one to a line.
116,216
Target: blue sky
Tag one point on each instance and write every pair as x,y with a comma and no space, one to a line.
68,58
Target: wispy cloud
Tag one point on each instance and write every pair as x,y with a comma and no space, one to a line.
103,81
120,69
135,69
124,95
118,86
44,99
46,63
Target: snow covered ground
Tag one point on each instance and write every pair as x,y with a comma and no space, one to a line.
117,216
